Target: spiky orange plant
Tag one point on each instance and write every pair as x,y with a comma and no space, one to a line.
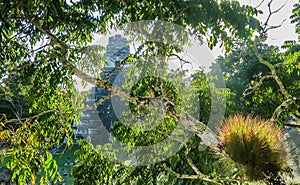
256,144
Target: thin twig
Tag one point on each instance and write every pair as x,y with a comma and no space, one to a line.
260,4
30,118
275,27
182,61
96,104
266,24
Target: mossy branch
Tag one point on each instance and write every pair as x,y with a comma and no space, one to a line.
288,99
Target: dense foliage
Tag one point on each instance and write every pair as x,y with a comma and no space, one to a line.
45,44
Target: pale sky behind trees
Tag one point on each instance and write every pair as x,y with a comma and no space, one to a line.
287,30
275,36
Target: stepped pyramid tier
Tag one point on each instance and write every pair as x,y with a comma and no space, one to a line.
96,123
116,50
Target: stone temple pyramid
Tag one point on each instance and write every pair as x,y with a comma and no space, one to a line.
96,123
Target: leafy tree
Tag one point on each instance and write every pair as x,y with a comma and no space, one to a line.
263,80
43,44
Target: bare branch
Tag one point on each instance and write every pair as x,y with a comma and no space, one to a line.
276,26
66,63
288,99
118,67
16,113
182,61
260,4
54,39
280,8
266,26
269,16
292,125
39,48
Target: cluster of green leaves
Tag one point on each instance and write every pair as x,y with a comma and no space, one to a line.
40,122
263,81
41,43
146,90
253,90
174,170
97,166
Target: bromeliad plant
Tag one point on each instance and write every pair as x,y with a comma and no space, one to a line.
255,145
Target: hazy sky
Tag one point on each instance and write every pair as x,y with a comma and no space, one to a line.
287,30
275,37
279,35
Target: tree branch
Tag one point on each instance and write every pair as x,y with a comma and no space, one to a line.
273,72
30,118
182,60
250,90
190,162
67,64
190,123
292,125
288,99
281,107
276,26
260,4
96,104
187,176
266,24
